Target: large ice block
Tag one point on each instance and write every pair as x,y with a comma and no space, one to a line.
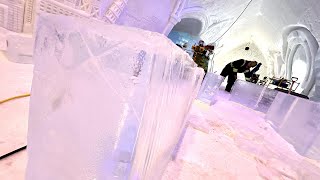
253,96
209,87
108,102
296,120
280,109
314,151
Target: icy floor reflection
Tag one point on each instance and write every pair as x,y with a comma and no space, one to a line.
230,141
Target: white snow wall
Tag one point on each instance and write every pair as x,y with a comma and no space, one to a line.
108,102
300,26
152,15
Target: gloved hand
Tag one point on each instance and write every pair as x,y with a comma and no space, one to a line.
255,69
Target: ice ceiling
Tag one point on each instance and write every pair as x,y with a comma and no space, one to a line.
262,21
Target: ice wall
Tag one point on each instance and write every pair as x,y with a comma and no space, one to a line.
294,118
297,121
315,95
107,102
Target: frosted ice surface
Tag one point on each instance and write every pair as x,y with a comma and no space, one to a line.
253,96
20,48
314,151
279,109
296,120
209,87
108,102
230,141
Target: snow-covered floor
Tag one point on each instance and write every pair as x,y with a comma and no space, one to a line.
15,80
224,141
230,141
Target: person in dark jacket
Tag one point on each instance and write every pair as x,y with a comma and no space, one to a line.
239,66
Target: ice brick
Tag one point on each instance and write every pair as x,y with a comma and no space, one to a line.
314,151
253,96
279,110
209,87
296,120
108,102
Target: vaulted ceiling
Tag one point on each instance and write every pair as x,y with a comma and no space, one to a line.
260,21
232,24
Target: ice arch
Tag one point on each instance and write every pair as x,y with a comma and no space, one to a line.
191,26
238,52
295,38
186,31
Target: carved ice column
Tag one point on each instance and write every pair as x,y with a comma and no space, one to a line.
29,12
115,10
315,96
175,16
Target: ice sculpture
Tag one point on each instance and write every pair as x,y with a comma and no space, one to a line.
108,102
253,96
316,94
209,87
294,36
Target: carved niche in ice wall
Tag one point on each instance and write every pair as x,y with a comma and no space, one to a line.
298,40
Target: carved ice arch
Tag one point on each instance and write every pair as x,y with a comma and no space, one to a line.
196,13
293,37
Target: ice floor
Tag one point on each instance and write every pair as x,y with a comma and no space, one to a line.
15,80
224,141
229,141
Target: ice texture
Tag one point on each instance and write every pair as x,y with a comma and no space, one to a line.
209,87
316,94
297,121
230,141
253,96
294,118
278,112
108,102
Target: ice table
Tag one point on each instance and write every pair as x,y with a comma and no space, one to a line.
108,102
209,87
253,96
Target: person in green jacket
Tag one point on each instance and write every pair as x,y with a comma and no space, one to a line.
201,55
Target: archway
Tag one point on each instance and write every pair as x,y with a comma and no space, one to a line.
299,53
240,52
186,31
